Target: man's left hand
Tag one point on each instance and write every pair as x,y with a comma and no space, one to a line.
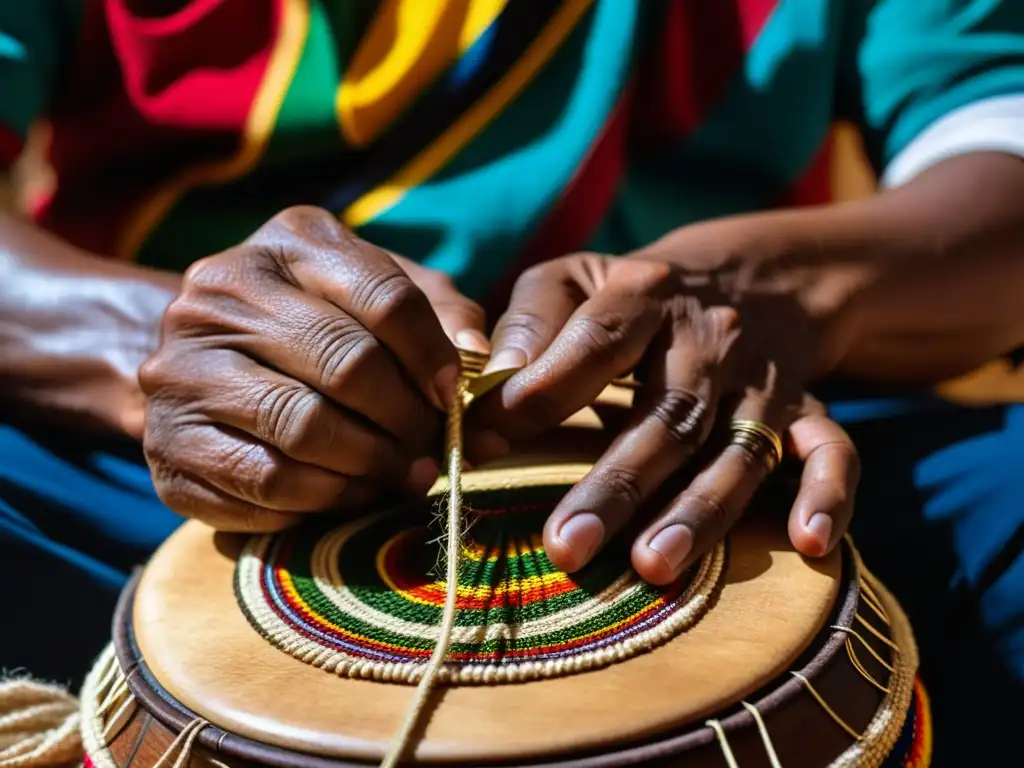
702,358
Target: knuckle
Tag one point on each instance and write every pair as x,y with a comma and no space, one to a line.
684,415
302,218
345,352
596,333
388,295
202,272
261,475
154,373
711,510
299,232
187,311
521,327
623,484
291,417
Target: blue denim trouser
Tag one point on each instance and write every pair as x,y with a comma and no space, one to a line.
940,519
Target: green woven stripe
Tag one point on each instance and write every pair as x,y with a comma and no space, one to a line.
359,572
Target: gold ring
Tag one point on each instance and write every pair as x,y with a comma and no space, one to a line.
756,436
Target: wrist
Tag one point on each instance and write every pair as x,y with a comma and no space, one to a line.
74,328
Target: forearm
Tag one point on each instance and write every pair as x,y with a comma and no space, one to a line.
943,280
74,329
918,283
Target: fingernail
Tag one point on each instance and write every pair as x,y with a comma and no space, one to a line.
582,534
673,543
423,473
472,340
505,360
446,381
820,525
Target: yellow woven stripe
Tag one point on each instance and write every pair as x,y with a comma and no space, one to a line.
476,551
923,758
478,117
485,592
284,59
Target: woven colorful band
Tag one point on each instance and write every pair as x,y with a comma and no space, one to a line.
359,599
914,748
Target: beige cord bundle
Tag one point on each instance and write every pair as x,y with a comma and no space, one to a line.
39,725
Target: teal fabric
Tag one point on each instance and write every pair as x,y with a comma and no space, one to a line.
36,40
917,61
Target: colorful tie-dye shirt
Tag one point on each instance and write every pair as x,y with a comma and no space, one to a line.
472,135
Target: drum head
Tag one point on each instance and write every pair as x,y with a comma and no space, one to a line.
203,650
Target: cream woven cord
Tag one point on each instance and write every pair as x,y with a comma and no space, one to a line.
453,548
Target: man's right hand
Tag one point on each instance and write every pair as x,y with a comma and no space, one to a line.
301,371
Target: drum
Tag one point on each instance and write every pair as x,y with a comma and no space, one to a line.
304,648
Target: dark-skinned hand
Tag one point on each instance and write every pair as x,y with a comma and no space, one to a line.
701,358
304,370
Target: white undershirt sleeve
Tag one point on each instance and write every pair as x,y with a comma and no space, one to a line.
990,125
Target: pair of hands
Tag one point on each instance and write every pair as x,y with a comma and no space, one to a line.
307,370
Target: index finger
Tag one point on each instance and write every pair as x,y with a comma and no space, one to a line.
605,337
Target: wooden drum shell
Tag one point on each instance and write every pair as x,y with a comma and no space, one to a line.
802,732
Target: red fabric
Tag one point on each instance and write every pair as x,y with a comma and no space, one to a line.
178,88
701,50
586,199
10,146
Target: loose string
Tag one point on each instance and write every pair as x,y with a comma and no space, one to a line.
769,748
824,705
453,554
183,744
723,743
762,729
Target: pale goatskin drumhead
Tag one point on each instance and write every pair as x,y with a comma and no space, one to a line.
201,648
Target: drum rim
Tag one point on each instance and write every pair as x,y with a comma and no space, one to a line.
174,715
